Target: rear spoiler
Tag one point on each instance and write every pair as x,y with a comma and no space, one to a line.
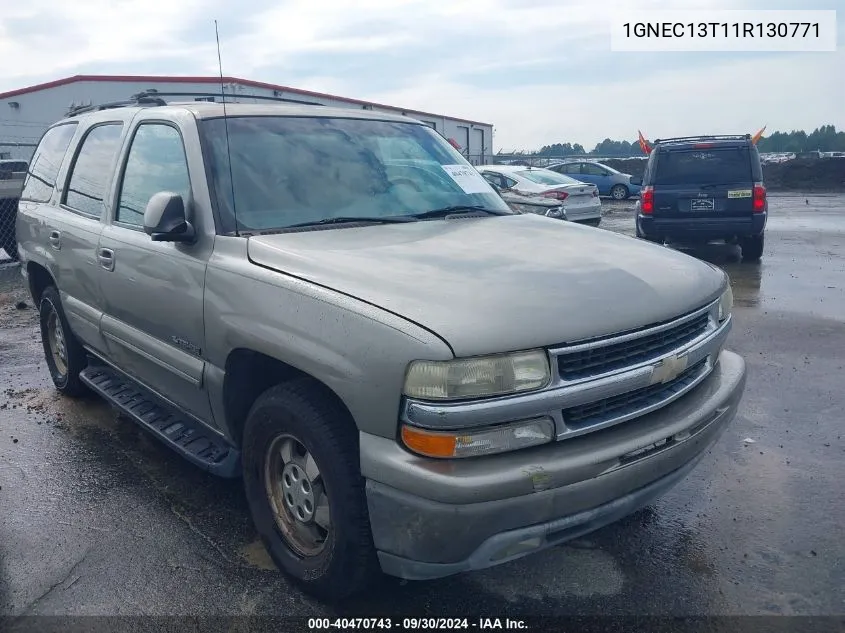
646,148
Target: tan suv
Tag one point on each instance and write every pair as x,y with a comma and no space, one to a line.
337,307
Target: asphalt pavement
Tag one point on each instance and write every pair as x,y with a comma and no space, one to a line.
98,518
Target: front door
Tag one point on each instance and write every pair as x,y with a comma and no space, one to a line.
153,291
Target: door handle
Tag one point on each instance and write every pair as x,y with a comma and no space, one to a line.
106,258
55,239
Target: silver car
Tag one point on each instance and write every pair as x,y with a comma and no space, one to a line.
580,200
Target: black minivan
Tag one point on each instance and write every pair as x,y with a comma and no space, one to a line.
704,188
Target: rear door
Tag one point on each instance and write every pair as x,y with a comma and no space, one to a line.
703,181
74,226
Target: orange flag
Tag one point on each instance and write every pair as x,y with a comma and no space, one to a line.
644,146
758,136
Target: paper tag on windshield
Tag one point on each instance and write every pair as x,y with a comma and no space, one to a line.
467,178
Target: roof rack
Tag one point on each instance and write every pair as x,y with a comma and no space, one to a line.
154,98
139,99
716,137
223,95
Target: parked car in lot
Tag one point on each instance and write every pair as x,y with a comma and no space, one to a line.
581,201
12,174
409,377
610,182
522,203
704,188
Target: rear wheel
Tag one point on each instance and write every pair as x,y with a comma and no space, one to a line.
619,192
752,248
65,356
305,489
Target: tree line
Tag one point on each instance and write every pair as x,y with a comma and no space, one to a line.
824,139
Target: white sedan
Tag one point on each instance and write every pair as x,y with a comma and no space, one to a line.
580,200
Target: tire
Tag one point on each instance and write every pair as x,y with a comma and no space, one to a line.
65,356
752,247
285,421
619,192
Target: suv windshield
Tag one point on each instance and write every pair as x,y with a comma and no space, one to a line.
296,170
547,177
712,166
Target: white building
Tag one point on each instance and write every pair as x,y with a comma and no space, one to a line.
25,113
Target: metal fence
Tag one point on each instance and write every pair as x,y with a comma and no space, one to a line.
16,151
14,159
533,160
8,244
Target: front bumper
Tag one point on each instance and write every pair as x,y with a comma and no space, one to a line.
434,518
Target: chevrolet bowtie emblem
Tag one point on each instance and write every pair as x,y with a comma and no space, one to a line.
668,369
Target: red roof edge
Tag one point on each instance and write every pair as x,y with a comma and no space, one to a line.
216,80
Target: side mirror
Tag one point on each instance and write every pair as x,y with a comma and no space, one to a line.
165,219
636,180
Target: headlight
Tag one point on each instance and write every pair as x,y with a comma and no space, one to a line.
726,304
474,442
477,377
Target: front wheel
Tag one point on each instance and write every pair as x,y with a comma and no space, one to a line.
305,489
619,192
752,248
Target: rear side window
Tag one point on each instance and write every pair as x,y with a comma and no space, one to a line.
546,177
93,169
45,163
592,170
711,166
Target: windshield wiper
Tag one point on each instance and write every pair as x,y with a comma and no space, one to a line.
444,211
348,219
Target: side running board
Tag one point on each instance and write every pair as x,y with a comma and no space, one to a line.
182,433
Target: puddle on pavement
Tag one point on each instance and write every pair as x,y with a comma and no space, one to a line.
83,412
256,555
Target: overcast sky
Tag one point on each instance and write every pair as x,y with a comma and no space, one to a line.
540,70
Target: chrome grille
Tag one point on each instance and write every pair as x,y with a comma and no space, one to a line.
624,404
598,359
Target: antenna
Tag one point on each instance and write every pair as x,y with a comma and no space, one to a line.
226,127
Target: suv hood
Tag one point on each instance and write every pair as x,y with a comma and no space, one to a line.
497,284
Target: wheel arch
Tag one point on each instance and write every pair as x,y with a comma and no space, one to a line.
39,278
248,374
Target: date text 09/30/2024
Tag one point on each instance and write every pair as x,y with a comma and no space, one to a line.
414,624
